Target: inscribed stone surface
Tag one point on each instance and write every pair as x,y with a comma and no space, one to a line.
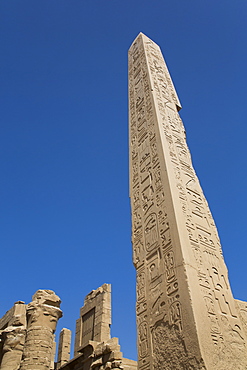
186,314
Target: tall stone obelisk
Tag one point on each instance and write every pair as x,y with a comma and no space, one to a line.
187,317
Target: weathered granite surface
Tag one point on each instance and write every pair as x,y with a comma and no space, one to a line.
187,317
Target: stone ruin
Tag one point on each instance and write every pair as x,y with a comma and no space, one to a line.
28,339
187,317
27,333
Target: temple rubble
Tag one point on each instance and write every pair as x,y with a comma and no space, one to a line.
28,340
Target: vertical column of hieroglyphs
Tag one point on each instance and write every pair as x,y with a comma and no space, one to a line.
186,314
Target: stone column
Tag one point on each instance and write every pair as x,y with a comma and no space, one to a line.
42,316
64,347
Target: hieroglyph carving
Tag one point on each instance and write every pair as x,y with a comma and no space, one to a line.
183,293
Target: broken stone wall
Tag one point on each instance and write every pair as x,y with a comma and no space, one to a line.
27,333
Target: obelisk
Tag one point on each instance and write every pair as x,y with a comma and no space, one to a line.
187,317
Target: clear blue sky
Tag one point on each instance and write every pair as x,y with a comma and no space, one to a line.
65,214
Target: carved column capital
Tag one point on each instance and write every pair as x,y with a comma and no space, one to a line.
42,316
